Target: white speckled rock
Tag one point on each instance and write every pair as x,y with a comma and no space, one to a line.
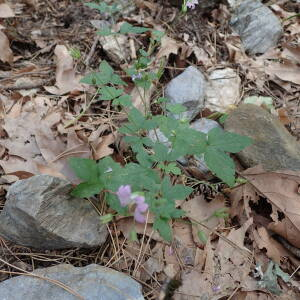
92,282
223,90
257,26
187,89
40,213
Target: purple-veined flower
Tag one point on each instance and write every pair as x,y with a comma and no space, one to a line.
191,3
136,76
126,197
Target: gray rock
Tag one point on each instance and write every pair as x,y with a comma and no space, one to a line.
257,26
92,282
273,146
187,89
40,213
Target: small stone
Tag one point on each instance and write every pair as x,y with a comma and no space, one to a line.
273,146
223,90
257,26
40,213
187,89
92,282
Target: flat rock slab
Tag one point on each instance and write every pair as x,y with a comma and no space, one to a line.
187,89
40,213
223,89
273,146
92,282
257,26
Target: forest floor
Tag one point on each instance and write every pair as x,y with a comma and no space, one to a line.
34,78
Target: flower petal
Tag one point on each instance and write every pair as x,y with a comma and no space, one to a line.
138,216
124,194
139,199
142,207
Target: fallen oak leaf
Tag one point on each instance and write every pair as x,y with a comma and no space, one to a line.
66,79
6,11
281,190
102,149
6,54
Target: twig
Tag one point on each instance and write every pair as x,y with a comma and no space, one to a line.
26,86
92,51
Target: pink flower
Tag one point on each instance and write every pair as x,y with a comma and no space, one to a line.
124,194
126,197
191,3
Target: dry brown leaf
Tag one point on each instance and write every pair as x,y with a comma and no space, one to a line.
168,46
154,264
6,55
286,71
287,230
6,11
183,250
234,260
281,190
126,225
198,284
66,79
198,209
240,198
274,250
141,98
33,146
225,269
102,148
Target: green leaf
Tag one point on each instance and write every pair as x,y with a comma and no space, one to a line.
161,152
157,35
136,117
125,100
187,141
105,68
128,28
144,159
103,7
164,229
116,79
106,218
223,118
95,78
162,100
105,31
143,53
174,192
221,164
176,108
87,189
110,93
227,141
172,168
86,169
133,235
202,236
221,213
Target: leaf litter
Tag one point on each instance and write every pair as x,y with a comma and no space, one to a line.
51,122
